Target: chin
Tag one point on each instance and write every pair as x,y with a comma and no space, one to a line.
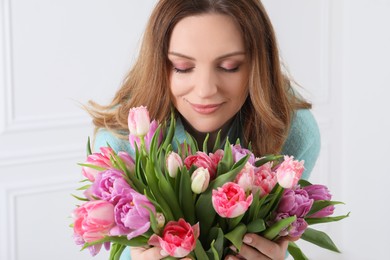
207,129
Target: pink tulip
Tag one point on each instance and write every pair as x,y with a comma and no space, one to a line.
201,159
147,138
289,172
101,160
93,220
173,163
230,200
246,177
178,238
200,180
265,179
128,160
139,121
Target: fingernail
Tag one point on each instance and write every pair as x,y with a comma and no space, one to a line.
163,253
247,240
233,248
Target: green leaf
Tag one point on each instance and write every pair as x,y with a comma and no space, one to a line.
312,221
79,198
273,231
236,235
253,207
230,175
167,191
92,166
296,252
217,241
122,240
304,183
116,251
153,221
256,226
192,143
320,204
268,158
200,253
320,239
227,160
217,143
185,197
205,212
206,139
171,131
274,198
89,150
233,222
85,187
214,251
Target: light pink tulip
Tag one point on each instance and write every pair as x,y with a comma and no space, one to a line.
246,177
230,200
133,139
173,163
289,172
178,238
139,121
200,180
93,220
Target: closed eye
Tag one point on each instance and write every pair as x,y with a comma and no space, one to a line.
229,70
177,70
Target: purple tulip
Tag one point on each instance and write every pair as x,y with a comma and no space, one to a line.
320,192
110,186
295,229
295,202
131,215
239,152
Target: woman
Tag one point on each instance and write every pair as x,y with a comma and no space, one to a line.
217,63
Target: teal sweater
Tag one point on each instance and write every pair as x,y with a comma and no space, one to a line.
303,142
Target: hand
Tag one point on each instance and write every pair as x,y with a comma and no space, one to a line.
141,253
257,247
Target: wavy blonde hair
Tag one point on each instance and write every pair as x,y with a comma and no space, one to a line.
271,102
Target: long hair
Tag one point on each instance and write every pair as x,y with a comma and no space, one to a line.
271,102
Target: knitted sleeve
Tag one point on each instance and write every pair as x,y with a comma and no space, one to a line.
303,141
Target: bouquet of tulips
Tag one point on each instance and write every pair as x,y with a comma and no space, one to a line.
191,202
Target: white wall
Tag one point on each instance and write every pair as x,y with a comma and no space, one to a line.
338,51
54,54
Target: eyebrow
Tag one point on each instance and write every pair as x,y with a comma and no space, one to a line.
235,53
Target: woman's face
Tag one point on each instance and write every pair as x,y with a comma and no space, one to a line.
209,77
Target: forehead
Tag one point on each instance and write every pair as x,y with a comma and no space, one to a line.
206,34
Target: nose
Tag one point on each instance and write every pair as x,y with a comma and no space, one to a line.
206,84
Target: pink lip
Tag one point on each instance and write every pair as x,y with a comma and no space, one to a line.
205,109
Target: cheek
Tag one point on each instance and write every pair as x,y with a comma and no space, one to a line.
179,84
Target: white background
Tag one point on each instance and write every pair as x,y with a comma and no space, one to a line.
56,55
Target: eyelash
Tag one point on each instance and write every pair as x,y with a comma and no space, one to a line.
220,68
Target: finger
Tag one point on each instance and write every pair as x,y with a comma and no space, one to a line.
248,252
267,247
147,253
232,257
